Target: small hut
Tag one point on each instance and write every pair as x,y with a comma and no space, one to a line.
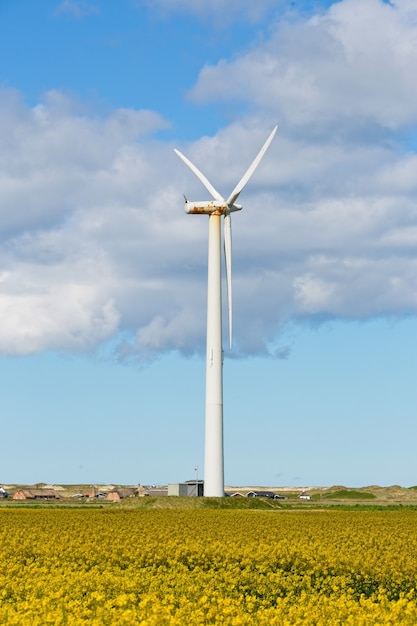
36,494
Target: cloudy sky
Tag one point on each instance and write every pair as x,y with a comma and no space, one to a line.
103,276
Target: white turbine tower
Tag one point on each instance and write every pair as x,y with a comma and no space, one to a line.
213,455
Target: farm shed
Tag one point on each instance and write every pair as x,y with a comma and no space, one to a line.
261,494
189,488
178,489
115,495
36,494
195,488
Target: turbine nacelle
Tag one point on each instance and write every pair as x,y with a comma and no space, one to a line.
209,207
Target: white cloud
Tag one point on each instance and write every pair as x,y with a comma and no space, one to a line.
95,241
53,155
66,317
353,65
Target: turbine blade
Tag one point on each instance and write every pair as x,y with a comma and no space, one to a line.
236,191
207,184
228,260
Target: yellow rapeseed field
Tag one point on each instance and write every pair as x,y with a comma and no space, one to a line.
237,567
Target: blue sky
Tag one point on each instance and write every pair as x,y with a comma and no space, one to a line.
103,276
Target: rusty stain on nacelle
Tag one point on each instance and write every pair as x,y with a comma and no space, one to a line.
210,207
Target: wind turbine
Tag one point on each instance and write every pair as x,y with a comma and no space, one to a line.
213,454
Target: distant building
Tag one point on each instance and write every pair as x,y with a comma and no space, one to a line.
177,489
36,494
261,494
189,488
115,495
195,488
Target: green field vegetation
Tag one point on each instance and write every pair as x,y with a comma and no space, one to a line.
346,494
